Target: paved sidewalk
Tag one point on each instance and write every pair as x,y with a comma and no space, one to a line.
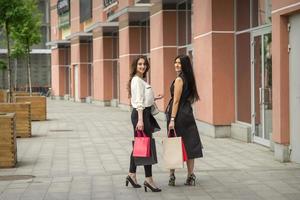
82,152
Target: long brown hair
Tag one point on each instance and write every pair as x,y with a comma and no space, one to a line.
133,71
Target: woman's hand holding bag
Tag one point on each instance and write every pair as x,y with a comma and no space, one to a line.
141,147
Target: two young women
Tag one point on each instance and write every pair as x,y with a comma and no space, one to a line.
179,114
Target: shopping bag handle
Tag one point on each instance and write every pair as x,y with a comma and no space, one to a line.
175,134
141,133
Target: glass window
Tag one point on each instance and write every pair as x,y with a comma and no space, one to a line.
243,77
184,24
2,40
145,41
115,47
242,14
45,33
64,20
41,70
261,12
42,8
3,73
85,10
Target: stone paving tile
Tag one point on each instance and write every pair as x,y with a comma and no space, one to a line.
82,152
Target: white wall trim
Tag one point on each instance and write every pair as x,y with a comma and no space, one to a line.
129,27
211,32
100,60
159,12
125,55
160,47
82,63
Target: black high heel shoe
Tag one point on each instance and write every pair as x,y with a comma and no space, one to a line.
172,180
191,180
129,180
147,185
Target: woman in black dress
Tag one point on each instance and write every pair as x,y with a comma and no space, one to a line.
142,98
180,116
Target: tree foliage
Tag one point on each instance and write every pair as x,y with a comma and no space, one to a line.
10,16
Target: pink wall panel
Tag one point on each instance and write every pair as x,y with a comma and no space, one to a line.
222,15
223,79
156,24
123,41
125,63
97,81
203,75
278,4
202,10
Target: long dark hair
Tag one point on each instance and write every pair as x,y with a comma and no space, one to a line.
133,71
188,74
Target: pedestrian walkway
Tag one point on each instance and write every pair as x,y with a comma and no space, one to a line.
82,152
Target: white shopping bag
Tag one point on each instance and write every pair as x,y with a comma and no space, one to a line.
172,153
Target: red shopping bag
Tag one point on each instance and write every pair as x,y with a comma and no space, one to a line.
141,147
184,154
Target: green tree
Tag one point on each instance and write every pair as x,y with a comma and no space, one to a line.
27,33
10,15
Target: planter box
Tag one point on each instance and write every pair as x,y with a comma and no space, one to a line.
21,94
8,145
3,96
38,106
23,117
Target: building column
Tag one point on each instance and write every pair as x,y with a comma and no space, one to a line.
129,49
103,67
58,72
163,51
79,60
280,82
213,42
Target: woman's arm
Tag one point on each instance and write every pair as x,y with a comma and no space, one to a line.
140,124
140,95
177,94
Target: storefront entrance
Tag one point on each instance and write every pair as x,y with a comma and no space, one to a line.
261,85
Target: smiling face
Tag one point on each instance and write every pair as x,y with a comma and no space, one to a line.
141,66
177,65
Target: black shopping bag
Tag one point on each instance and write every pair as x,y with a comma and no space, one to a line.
147,160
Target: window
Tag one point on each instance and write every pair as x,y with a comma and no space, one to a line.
184,28
252,13
243,77
86,10
261,12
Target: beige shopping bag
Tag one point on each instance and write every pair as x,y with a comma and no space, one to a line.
172,153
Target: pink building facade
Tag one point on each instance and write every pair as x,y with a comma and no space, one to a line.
243,52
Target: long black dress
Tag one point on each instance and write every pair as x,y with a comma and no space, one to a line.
185,124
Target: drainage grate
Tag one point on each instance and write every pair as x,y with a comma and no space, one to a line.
15,177
60,130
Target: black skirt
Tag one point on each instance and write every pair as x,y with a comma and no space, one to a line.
185,126
150,123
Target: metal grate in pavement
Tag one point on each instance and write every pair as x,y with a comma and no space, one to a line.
60,130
